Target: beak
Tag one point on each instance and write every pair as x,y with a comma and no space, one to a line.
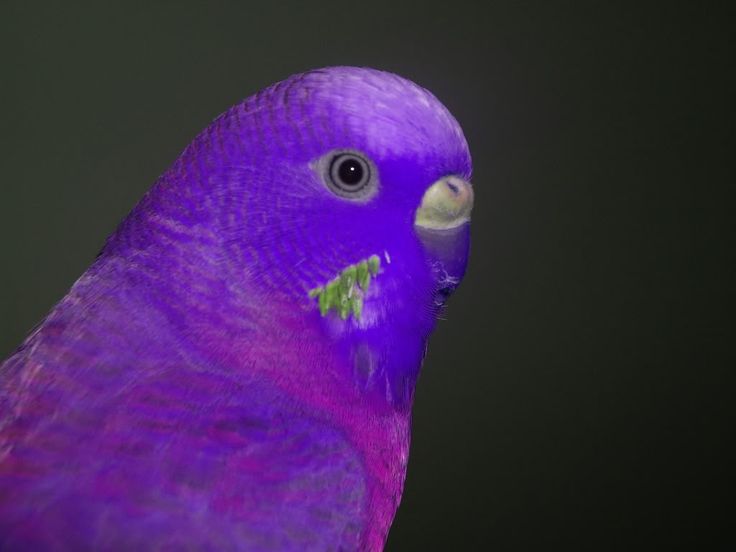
441,223
446,204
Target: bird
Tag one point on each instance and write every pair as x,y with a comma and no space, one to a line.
236,368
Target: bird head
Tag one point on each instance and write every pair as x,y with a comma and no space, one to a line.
341,177
342,193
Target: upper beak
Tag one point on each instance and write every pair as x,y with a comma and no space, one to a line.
446,204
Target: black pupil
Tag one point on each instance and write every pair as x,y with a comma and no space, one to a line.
350,172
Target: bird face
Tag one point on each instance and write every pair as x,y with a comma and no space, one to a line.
344,173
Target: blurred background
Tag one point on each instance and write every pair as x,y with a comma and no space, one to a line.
580,393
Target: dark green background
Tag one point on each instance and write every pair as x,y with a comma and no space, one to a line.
580,392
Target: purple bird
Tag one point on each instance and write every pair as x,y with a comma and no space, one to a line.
236,369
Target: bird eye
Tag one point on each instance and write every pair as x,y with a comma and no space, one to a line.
350,175
349,172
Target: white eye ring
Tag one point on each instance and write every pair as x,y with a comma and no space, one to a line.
349,174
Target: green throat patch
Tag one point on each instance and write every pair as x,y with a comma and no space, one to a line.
344,293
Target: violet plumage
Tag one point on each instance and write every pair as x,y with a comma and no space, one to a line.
236,369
